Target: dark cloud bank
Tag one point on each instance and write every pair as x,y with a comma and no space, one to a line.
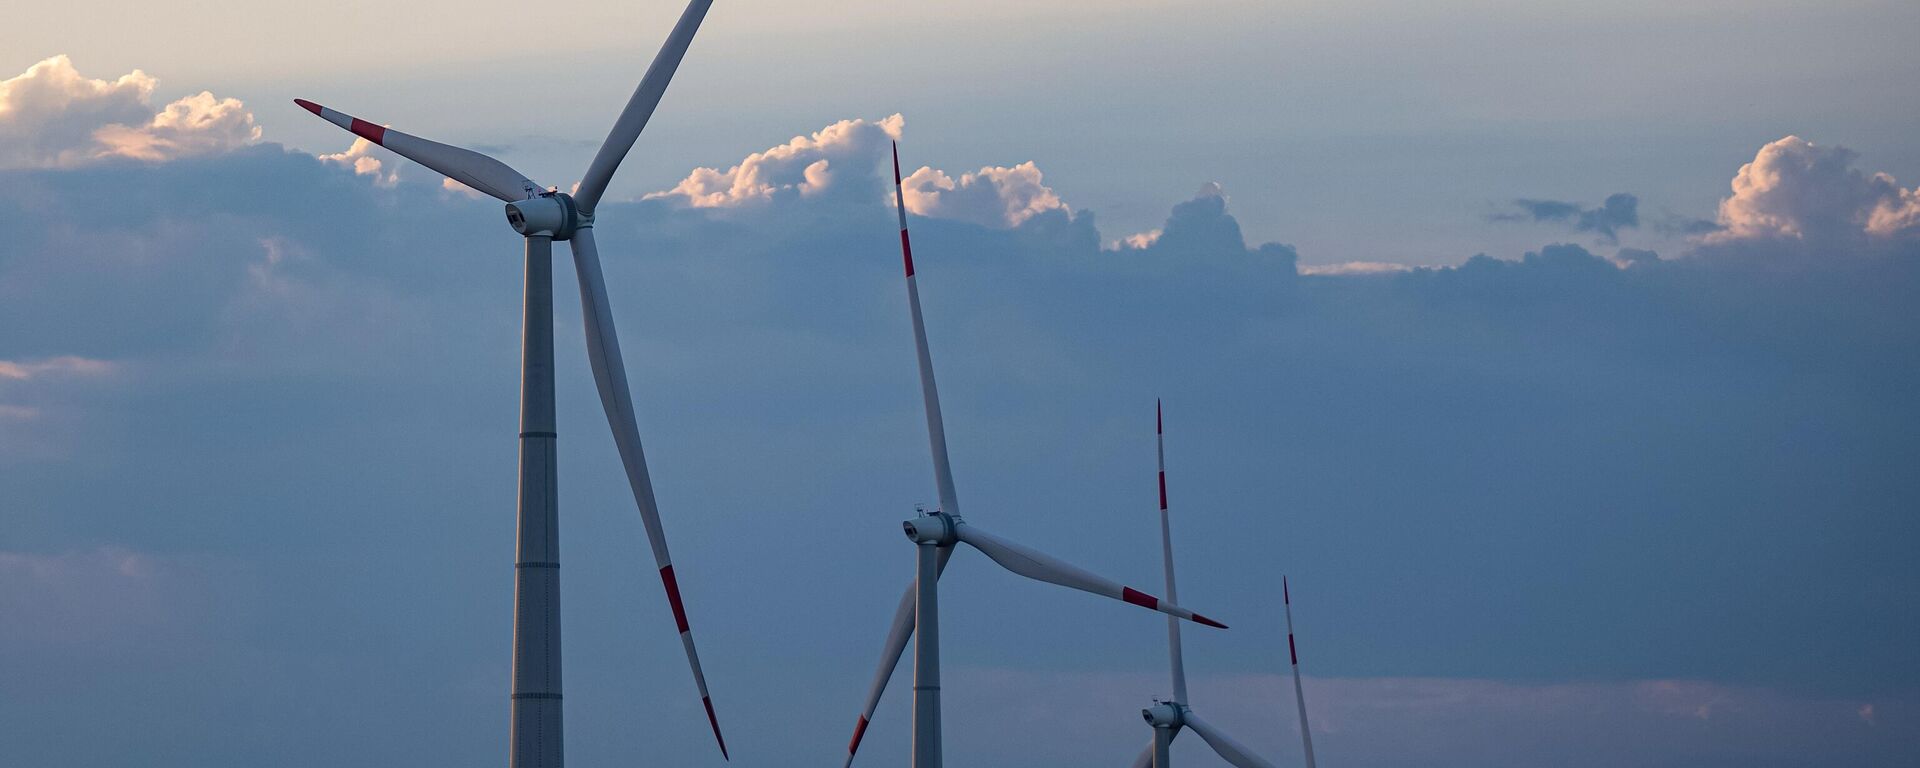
1572,467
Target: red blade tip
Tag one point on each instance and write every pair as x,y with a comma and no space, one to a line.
308,105
1199,619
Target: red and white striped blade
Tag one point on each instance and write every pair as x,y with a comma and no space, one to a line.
929,394
1041,567
1235,753
1176,659
466,166
610,375
897,636
646,96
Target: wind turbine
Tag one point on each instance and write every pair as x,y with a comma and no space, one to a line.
1168,717
934,536
541,217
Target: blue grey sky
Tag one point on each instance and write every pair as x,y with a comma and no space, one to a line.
1632,487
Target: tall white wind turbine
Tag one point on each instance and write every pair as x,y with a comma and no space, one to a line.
542,216
935,535
1168,717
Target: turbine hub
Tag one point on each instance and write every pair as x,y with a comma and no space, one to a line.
936,528
1163,714
549,214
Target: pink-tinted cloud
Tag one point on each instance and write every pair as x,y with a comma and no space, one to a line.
1797,189
52,116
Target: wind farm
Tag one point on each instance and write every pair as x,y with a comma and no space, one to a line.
1562,357
542,216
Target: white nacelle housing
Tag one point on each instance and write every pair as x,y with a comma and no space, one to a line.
1162,715
551,214
936,528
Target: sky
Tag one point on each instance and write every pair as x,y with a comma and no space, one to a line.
1561,358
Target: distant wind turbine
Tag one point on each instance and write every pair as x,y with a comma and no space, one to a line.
934,535
1168,717
541,217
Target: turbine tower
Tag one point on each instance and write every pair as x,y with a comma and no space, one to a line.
541,217
1168,717
934,535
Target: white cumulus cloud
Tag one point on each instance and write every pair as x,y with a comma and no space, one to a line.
361,158
808,166
847,159
992,196
1801,190
52,116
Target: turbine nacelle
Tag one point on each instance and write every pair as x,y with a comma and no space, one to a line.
550,214
937,528
1163,714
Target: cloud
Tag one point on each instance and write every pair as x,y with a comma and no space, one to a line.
1201,228
36,402
366,159
1629,257
845,162
1355,268
1795,189
52,116
994,196
807,166
67,365
1620,211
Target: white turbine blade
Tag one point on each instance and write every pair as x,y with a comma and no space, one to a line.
1229,750
646,96
1040,567
610,374
1145,760
1176,658
897,636
466,166
1299,696
929,394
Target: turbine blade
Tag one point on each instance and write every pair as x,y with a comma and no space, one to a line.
1299,696
1176,658
897,636
646,96
1040,567
929,394
610,375
484,174
1229,750
1145,760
